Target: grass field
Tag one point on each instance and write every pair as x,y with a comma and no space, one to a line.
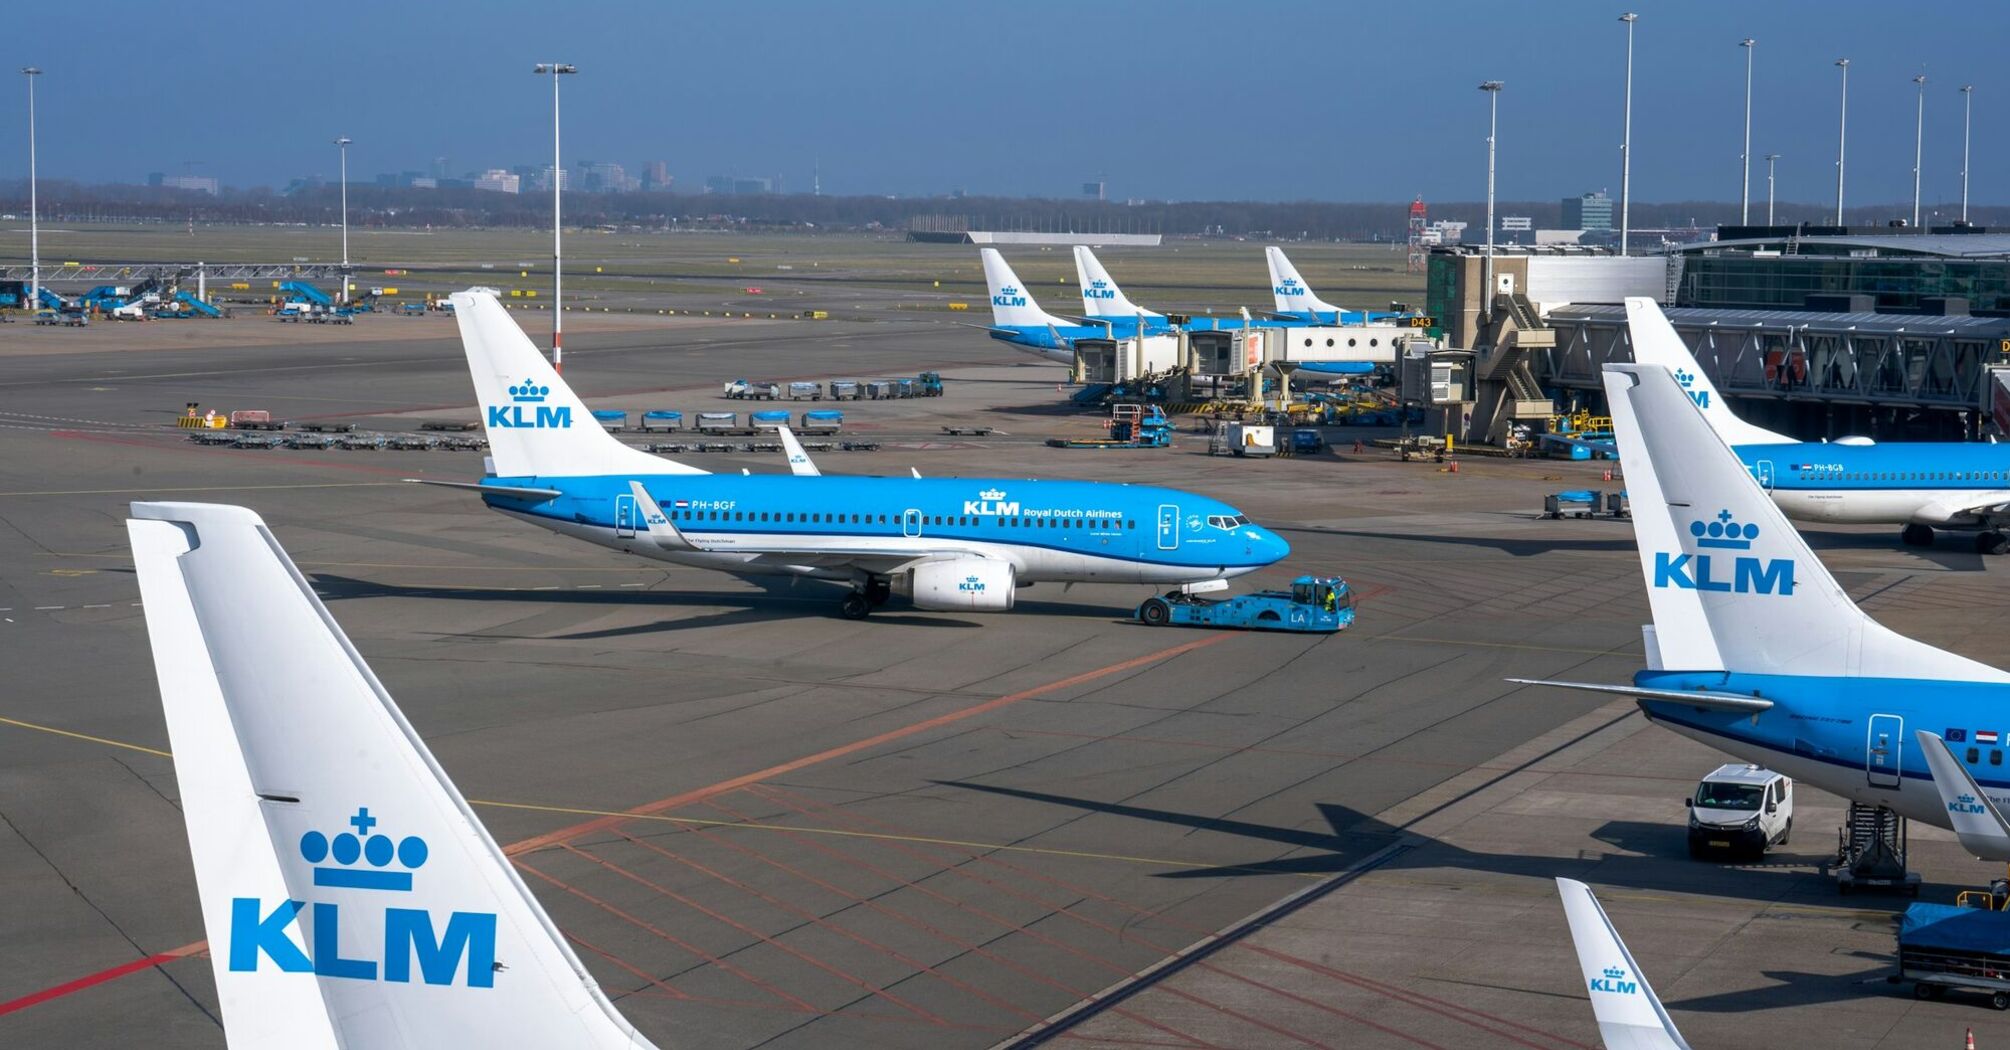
641,270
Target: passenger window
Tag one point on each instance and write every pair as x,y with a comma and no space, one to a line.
1131,524
1995,758
1973,756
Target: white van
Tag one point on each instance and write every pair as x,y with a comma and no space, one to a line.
1741,808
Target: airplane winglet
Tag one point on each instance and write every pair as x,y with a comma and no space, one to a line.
799,460
351,896
1629,1014
1976,820
666,534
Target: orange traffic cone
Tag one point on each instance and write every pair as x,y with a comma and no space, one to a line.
1971,1039
1608,473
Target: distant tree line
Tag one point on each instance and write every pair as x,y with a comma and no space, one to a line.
373,205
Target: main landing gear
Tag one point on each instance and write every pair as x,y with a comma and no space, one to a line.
1917,535
1992,542
861,602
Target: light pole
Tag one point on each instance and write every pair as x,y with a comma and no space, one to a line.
1967,111
34,216
1745,157
1770,158
1626,142
342,144
1493,90
1842,137
555,70
1918,141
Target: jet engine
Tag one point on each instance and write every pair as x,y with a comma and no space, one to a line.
962,585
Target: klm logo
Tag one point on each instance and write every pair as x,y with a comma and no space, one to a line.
1008,296
258,935
1701,397
1097,290
971,585
1748,575
527,410
1966,804
992,502
1614,980
1289,289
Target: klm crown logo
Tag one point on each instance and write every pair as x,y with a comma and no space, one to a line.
992,494
1724,533
376,851
971,585
1614,980
1749,575
1965,804
1289,288
363,861
527,410
1100,289
1686,377
1008,296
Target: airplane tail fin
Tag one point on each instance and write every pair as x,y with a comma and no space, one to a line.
1100,295
536,425
1629,1014
351,896
1655,343
1012,306
1292,293
1731,585
1970,811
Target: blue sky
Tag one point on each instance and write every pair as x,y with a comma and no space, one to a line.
1174,99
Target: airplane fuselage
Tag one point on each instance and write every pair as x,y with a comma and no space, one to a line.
1852,737
1049,531
1928,483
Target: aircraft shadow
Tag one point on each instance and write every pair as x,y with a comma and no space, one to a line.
1793,988
1662,862
777,599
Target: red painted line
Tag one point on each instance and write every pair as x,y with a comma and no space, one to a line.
563,835
700,794
90,980
863,985
668,936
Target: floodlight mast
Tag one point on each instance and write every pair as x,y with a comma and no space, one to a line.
555,70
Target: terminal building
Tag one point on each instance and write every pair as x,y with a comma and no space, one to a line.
1816,332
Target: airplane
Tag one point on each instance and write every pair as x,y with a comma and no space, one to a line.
1017,319
1755,649
1296,301
351,896
1976,816
964,544
1920,485
1630,1016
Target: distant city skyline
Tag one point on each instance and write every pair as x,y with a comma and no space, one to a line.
879,97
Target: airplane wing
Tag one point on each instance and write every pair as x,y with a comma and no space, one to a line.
1976,820
1693,698
799,460
1630,1016
766,551
1994,504
515,491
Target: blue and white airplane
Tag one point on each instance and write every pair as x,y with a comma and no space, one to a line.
1296,301
1630,1016
1921,485
1756,650
352,897
947,543
1017,319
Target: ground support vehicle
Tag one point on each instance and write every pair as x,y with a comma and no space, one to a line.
1314,604
1740,808
1947,946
